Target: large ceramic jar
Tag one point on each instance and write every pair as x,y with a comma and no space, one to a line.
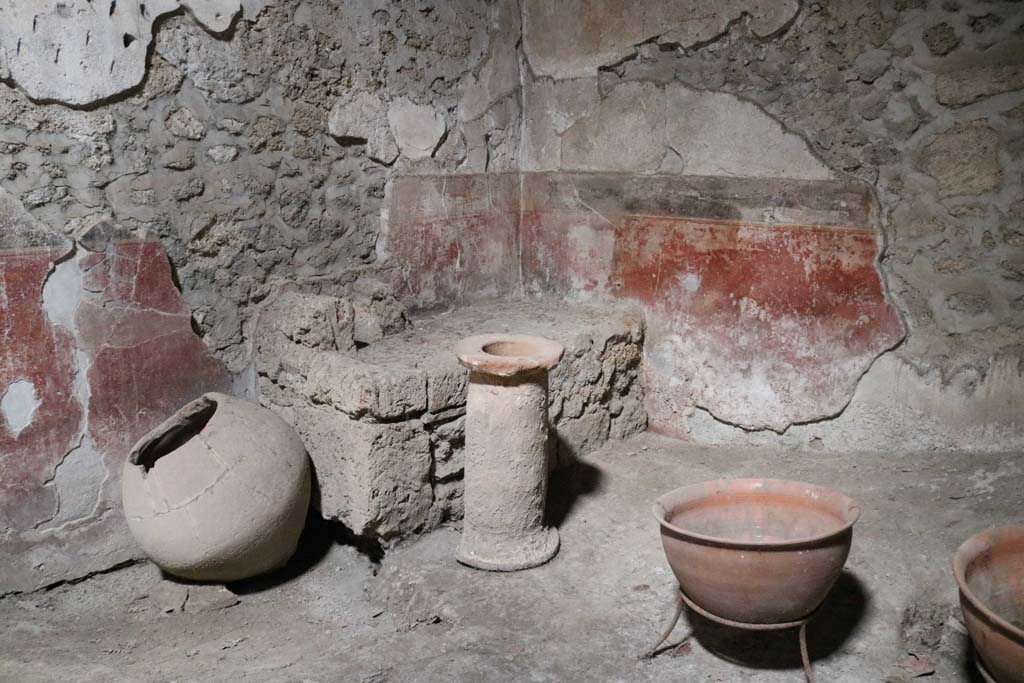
219,491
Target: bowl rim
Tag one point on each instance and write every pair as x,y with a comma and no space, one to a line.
661,510
968,551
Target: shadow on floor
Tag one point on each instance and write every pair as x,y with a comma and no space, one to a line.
317,538
834,623
968,669
567,485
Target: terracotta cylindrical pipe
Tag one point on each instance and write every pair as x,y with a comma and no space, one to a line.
506,461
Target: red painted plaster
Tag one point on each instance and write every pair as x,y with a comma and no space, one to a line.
799,310
33,350
146,361
133,341
453,237
763,322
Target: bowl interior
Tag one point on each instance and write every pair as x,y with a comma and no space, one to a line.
757,512
994,574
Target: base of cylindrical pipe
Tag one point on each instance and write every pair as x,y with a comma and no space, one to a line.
502,553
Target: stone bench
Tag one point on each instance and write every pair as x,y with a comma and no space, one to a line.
384,423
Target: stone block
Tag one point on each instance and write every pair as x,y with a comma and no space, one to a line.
628,415
374,478
317,322
182,123
940,39
580,435
969,84
365,390
377,312
362,119
964,159
384,424
293,323
446,387
449,440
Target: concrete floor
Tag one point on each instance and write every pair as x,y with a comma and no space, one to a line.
336,615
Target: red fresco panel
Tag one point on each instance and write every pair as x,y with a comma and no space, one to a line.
146,360
32,350
453,238
133,339
764,302
762,325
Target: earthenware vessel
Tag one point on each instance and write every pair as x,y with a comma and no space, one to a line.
506,457
219,491
756,551
989,570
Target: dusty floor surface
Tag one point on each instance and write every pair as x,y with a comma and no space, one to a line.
336,615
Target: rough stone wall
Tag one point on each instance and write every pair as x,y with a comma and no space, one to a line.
262,154
921,100
256,141
259,146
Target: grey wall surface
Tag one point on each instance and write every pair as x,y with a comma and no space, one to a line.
922,100
258,140
261,154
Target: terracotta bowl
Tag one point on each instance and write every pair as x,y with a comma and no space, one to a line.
756,551
989,569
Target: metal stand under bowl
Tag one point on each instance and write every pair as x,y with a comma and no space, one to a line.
685,600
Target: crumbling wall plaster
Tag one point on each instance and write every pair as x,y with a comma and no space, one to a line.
256,141
261,155
895,408
684,131
921,99
98,347
79,52
575,38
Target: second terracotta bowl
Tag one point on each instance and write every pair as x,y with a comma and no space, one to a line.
756,551
989,569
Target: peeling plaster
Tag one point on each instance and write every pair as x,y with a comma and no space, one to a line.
62,294
709,133
113,305
897,407
574,38
79,481
18,405
80,52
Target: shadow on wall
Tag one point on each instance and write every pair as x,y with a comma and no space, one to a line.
969,669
